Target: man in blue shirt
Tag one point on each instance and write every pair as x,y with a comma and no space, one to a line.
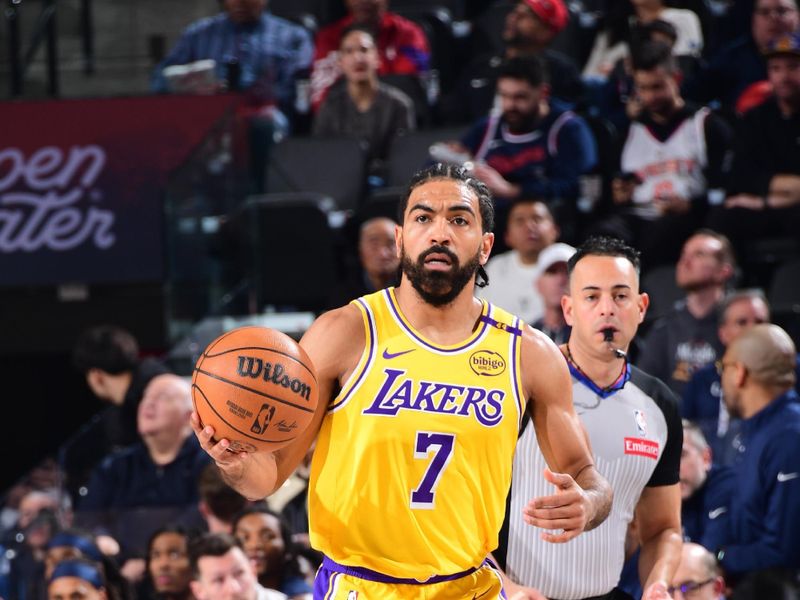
758,376
253,51
256,53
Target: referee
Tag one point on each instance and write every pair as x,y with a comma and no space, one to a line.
635,431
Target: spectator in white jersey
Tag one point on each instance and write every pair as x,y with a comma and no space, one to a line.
674,161
635,432
685,339
530,229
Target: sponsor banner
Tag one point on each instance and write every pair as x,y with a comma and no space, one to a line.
641,447
82,184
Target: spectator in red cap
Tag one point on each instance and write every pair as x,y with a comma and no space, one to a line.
402,46
529,30
552,13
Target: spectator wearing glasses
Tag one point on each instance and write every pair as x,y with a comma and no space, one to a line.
758,377
702,399
697,577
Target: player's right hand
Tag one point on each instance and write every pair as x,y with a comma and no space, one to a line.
230,462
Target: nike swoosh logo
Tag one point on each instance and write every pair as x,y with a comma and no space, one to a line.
713,514
390,355
787,476
476,596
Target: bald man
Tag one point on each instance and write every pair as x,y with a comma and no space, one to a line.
136,490
697,576
758,375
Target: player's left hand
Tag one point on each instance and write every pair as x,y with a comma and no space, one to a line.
656,591
569,509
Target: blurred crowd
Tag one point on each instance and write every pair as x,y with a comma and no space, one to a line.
672,126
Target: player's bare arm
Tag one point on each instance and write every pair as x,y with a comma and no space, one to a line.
334,343
659,517
582,497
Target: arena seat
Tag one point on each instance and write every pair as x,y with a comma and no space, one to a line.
660,284
333,166
409,152
292,250
784,289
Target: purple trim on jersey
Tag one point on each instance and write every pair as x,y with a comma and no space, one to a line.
373,337
410,332
490,563
602,392
369,575
514,382
325,583
514,330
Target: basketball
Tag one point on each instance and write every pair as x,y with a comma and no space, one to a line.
256,387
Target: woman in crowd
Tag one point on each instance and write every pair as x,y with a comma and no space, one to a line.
168,569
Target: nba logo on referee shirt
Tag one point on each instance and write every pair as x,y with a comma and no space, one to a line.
641,422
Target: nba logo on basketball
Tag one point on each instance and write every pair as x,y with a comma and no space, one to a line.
263,419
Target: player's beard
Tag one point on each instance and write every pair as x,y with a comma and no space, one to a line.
438,288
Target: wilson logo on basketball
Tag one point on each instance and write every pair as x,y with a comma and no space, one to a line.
486,362
250,366
640,447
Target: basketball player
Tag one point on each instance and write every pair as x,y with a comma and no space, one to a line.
635,431
422,391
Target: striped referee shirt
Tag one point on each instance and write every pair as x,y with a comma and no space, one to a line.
636,435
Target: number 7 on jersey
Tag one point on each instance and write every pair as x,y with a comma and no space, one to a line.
442,446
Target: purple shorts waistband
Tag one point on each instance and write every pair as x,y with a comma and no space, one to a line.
371,575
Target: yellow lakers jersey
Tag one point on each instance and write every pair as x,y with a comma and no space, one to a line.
413,460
